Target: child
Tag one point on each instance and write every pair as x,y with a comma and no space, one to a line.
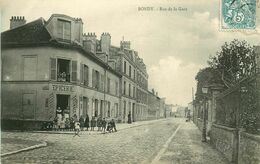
77,129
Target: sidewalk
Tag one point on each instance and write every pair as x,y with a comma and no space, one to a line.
13,145
186,147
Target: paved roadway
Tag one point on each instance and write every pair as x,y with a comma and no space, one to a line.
143,144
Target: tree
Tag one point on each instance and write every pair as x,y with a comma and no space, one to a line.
207,76
235,61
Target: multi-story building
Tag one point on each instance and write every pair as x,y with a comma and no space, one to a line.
45,67
153,105
134,80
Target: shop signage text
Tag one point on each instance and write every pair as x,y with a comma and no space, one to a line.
66,88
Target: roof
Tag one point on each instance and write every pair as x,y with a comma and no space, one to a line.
33,32
36,34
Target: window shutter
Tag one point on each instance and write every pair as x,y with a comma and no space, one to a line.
74,71
81,73
53,66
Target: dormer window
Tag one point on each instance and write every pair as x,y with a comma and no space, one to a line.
64,29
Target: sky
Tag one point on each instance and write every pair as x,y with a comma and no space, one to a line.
175,45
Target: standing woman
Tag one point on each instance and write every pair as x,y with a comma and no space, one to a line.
86,124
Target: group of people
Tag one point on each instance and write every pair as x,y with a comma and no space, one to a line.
73,123
63,76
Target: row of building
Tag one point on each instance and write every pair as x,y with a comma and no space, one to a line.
50,65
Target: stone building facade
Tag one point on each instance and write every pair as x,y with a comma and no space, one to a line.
45,67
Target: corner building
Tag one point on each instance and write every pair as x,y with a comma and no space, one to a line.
45,66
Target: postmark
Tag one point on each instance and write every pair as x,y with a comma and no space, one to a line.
238,14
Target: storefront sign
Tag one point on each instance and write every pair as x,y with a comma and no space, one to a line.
66,88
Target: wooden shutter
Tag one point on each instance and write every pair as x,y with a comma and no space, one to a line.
81,73
53,65
74,71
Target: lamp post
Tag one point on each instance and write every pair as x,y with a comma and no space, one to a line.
204,135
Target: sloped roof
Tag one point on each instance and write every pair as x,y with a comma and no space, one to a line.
33,32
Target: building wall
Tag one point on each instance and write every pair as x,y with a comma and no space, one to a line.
44,90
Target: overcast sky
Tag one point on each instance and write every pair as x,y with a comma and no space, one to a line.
174,45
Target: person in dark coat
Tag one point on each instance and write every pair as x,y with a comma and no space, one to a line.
99,123
129,118
93,123
81,121
86,124
113,125
104,124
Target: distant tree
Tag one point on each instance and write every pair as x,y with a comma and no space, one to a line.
235,60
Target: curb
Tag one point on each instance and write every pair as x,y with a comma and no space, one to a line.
42,144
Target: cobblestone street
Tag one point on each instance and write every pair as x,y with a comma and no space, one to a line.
134,145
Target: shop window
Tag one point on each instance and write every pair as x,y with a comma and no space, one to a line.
64,29
63,70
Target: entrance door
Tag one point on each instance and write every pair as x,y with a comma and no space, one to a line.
85,106
63,103
28,106
133,112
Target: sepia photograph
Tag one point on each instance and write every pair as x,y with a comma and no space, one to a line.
130,81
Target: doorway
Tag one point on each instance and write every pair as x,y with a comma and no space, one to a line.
63,102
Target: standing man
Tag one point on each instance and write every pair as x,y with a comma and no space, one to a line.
86,124
113,125
104,124
99,123
129,118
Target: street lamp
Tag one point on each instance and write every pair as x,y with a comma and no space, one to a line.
204,135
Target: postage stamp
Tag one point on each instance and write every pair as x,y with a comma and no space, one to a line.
238,14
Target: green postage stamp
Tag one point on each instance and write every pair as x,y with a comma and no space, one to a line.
238,14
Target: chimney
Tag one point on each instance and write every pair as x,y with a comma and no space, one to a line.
90,42
105,42
17,21
125,44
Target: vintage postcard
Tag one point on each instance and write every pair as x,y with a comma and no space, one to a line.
130,81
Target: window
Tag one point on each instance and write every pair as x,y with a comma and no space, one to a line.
134,74
116,110
29,67
85,75
129,89
133,91
116,88
125,67
130,71
102,83
64,29
108,85
95,79
124,87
